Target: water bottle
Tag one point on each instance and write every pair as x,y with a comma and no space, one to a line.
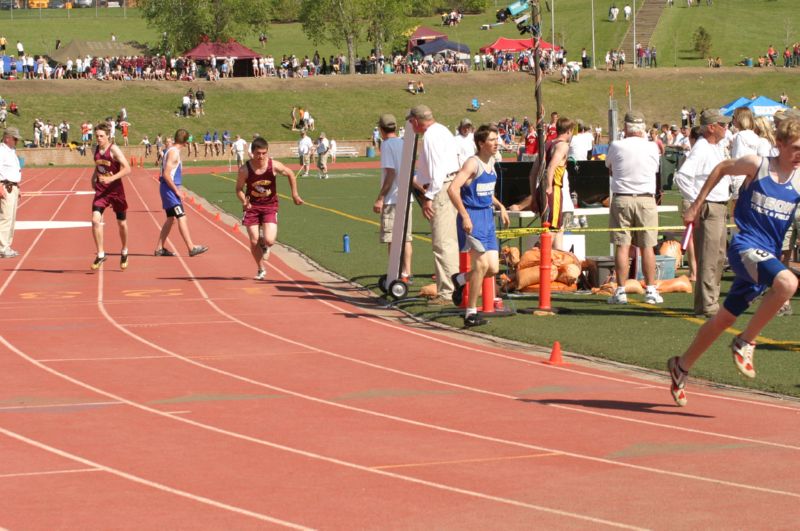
346,243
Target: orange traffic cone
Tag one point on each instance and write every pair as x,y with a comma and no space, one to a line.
191,199
555,355
235,227
218,217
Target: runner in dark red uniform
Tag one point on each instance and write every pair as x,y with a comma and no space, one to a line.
260,200
110,166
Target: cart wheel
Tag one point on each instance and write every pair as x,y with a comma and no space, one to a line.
382,283
398,289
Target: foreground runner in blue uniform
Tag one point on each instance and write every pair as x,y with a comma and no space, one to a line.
764,212
472,193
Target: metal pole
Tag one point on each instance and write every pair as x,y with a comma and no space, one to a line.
594,53
634,58
535,178
553,24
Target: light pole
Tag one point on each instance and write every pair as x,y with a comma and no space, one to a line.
553,24
634,58
594,53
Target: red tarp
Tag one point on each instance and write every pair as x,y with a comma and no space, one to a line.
504,44
205,50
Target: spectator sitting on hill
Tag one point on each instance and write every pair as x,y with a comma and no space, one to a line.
411,88
420,87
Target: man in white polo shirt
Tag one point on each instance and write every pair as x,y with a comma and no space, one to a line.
437,165
10,176
633,163
710,233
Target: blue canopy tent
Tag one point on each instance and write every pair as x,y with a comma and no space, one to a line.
760,106
439,46
735,104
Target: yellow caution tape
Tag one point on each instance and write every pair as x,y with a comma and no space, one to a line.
507,234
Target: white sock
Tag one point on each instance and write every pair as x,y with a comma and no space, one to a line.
652,289
471,311
101,255
620,290
124,251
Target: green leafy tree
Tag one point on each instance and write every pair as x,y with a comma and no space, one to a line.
388,19
423,8
702,41
470,6
184,23
285,10
339,22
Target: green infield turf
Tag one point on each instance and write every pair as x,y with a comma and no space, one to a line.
636,334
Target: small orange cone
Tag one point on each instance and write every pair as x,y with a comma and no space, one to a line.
235,227
191,199
218,217
555,355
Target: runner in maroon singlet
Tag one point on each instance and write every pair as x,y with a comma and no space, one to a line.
110,166
260,200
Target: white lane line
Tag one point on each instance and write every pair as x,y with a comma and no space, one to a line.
58,405
152,484
50,472
44,225
262,442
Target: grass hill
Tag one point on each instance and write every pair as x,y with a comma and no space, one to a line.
347,107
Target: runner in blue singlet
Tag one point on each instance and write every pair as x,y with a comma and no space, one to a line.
472,193
764,212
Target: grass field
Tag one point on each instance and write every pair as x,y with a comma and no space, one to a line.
768,22
343,205
346,107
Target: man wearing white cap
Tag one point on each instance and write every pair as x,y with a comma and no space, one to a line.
633,163
437,165
10,176
710,233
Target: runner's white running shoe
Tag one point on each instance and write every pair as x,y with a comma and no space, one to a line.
743,356
678,376
261,275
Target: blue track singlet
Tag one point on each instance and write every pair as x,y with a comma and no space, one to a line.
168,197
764,212
477,198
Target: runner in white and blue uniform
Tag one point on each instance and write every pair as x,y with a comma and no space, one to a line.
764,212
168,182
472,193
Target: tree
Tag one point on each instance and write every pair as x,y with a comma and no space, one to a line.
285,10
339,22
702,41
184,23
387,20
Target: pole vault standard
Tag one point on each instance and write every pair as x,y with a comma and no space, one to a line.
391,282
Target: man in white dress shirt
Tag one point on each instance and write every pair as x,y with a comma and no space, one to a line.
10,176
437,164
710,233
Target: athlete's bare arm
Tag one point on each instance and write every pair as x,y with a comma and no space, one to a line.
280,168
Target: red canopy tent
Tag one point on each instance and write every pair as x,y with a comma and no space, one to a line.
243,54
504,44
422,35
206,49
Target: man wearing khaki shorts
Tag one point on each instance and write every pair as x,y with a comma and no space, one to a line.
633,163
304,147
386,202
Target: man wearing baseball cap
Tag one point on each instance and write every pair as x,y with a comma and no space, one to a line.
437,165
10,176
386,202
709,233
633,163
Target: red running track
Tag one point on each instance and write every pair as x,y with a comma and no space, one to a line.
183,394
